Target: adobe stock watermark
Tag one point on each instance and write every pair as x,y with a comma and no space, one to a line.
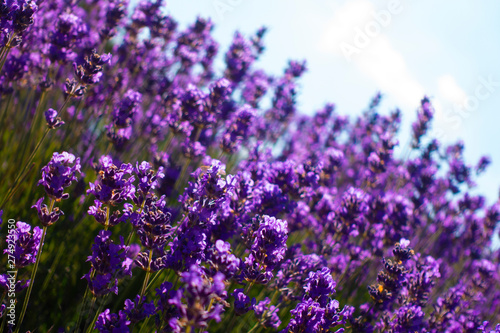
371,30
224,6
461,111
10,310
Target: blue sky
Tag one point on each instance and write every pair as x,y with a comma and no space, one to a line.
448,50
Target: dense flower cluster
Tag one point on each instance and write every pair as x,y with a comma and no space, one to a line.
59,174
220,206
109,262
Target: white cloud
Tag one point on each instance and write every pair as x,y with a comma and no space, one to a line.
450,90
387,67
379,59
341,28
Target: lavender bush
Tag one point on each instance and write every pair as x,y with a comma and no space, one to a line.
176,197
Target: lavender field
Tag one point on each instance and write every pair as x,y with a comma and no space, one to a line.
143,189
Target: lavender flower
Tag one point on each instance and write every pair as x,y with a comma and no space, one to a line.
153,225
269,240
53,121
19,286
108,322
24,244
424,118
109,262
310,316
23,17
239,58
222,260
319,285
112,186
138,309
192,302
89,71
238,130
267,314
306,317
242,303
124,112
409,318
393,277
298,216
148,180
46,217
59,173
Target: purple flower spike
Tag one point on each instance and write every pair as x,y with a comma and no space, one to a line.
241,302
310,316
53,121
192,302
124,112
23,17
320,284
424,118
221,259
153,226
296,68
47,218
112,323
267,314
238,130
138,309
409,318
19,286
59,173
306,317
26,244
89,71
239,58
148,180
112,186
269,244
109,262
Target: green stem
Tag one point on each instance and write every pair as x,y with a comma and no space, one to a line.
2,52
144,324
33,122
70,125
106,223
129,238
153,280
169,140
179,180
53,267
5,316
197,134
82,309
248,287
148,274
4,112
4,59
221,155
257,324
4,320
91,327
